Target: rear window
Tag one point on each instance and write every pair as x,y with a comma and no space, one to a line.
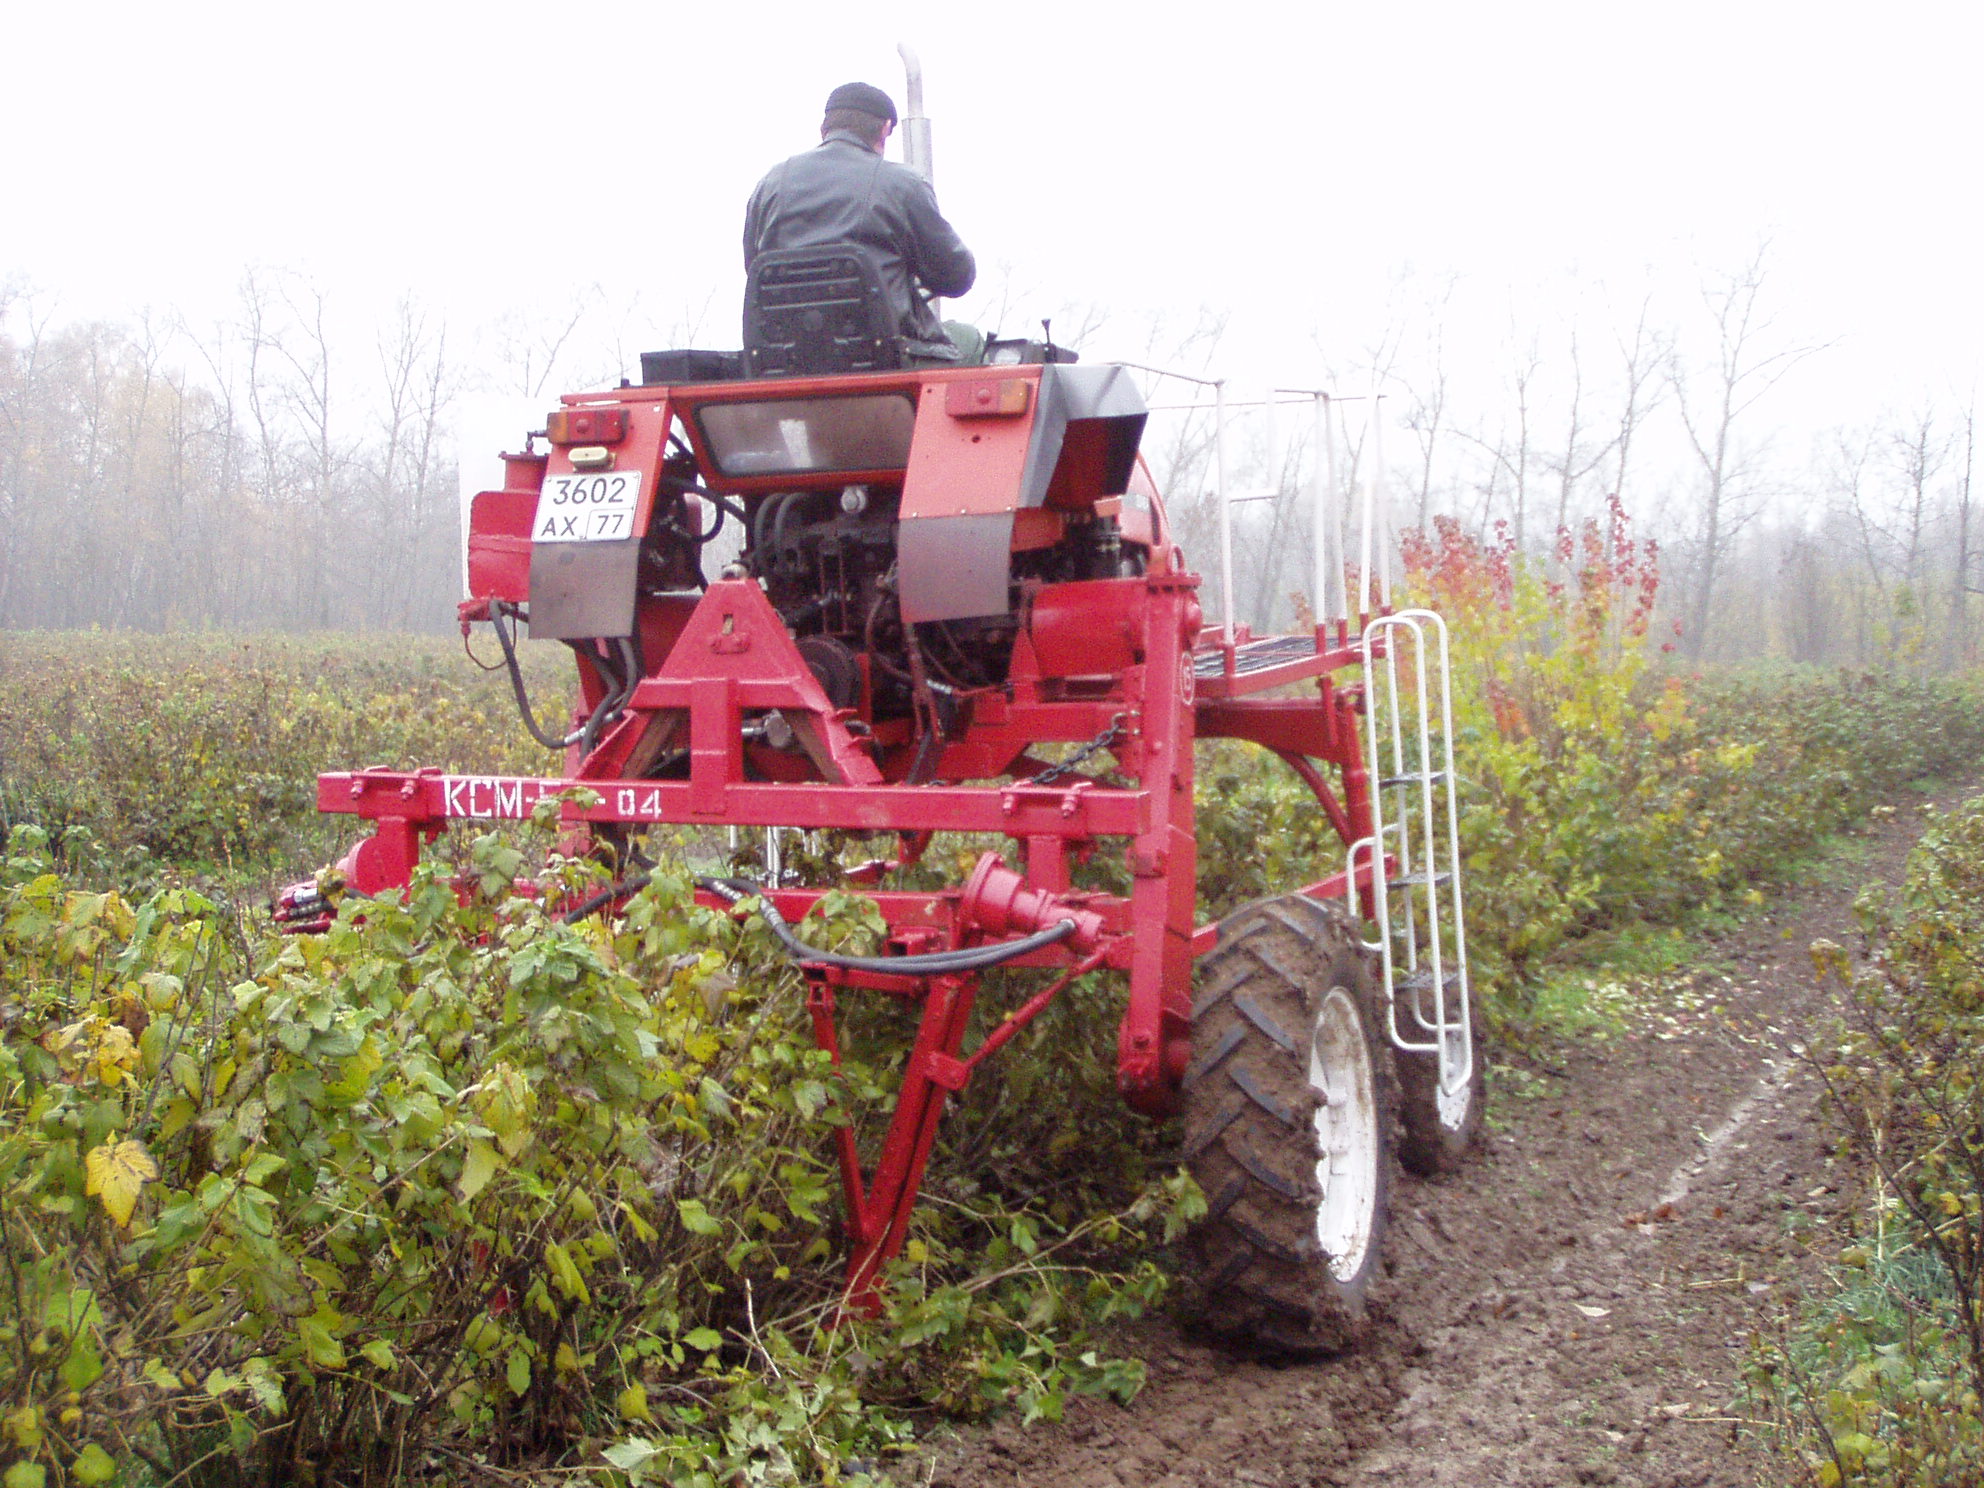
805,436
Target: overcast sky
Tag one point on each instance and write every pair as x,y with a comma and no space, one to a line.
1280,162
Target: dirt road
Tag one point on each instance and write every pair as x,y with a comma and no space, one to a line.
1576,1306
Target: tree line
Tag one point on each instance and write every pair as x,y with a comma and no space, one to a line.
267,472
155,479
1851,545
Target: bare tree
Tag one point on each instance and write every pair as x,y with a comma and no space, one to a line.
531,347
410,516
1851,499
1508,456
1916,452
1640,362
1743,366
1958,650
1580,458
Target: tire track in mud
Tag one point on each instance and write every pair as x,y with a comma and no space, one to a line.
1575,1306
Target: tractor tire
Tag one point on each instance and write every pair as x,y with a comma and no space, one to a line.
1437,1127
1287,1128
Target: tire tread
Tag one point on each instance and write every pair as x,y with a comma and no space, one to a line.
1266,1280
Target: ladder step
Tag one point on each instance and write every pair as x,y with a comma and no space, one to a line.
1422,981
1419,881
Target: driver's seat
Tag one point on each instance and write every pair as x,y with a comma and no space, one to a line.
809,311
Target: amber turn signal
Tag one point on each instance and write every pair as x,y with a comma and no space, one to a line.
586,426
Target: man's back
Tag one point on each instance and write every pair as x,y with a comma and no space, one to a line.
843,191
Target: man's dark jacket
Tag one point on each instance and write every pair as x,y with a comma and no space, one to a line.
843,192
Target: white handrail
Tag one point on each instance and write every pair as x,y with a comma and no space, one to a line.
1329,539
1325,469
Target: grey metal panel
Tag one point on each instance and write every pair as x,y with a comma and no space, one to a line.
1069,394
583,589
954,568
1100,391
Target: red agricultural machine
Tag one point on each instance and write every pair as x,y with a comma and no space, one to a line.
942,572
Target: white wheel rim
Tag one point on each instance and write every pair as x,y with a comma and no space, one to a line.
1346,1133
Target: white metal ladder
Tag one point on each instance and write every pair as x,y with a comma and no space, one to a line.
1415,823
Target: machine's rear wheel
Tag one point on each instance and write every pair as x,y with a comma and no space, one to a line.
1439,1123
1288,1116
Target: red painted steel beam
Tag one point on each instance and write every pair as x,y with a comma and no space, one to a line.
1016,810
1285,725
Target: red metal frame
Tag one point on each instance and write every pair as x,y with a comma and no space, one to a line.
1128,653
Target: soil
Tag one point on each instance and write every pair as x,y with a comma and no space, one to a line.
1578,1303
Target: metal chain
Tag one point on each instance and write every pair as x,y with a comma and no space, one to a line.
1107,739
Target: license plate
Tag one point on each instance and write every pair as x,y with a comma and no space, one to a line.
587,506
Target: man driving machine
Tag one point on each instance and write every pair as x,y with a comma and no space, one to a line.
843,191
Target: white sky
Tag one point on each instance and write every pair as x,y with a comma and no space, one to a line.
1281,162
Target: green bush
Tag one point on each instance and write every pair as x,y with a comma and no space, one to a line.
1881,1383
202,749
1602,791
455,1176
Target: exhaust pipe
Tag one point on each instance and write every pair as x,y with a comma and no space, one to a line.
915,127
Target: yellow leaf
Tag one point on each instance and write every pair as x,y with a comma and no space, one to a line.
93,1465
24,1426
565,1361
632,1403
478,1167
565,1272
116,1174
176,1117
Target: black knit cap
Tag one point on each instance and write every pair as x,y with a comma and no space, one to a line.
864,98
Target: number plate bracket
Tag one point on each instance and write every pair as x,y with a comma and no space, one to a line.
588,506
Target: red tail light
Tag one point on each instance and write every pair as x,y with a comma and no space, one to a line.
586,426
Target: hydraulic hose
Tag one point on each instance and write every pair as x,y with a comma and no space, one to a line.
622,687
621,678
935,963
723,508
549,741
603,898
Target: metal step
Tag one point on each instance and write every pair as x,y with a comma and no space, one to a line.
1254,656
1419,881
1422,981
1431,777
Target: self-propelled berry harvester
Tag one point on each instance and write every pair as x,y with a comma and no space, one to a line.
942,571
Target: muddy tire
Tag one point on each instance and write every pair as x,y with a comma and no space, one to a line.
1437,1127
1288,1119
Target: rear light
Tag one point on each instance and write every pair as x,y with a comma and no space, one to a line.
586,426
1003,397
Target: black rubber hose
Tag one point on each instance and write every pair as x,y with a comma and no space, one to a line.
723,508
549,741
794,502
611,704
767,509
603,898
936,963
722,516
